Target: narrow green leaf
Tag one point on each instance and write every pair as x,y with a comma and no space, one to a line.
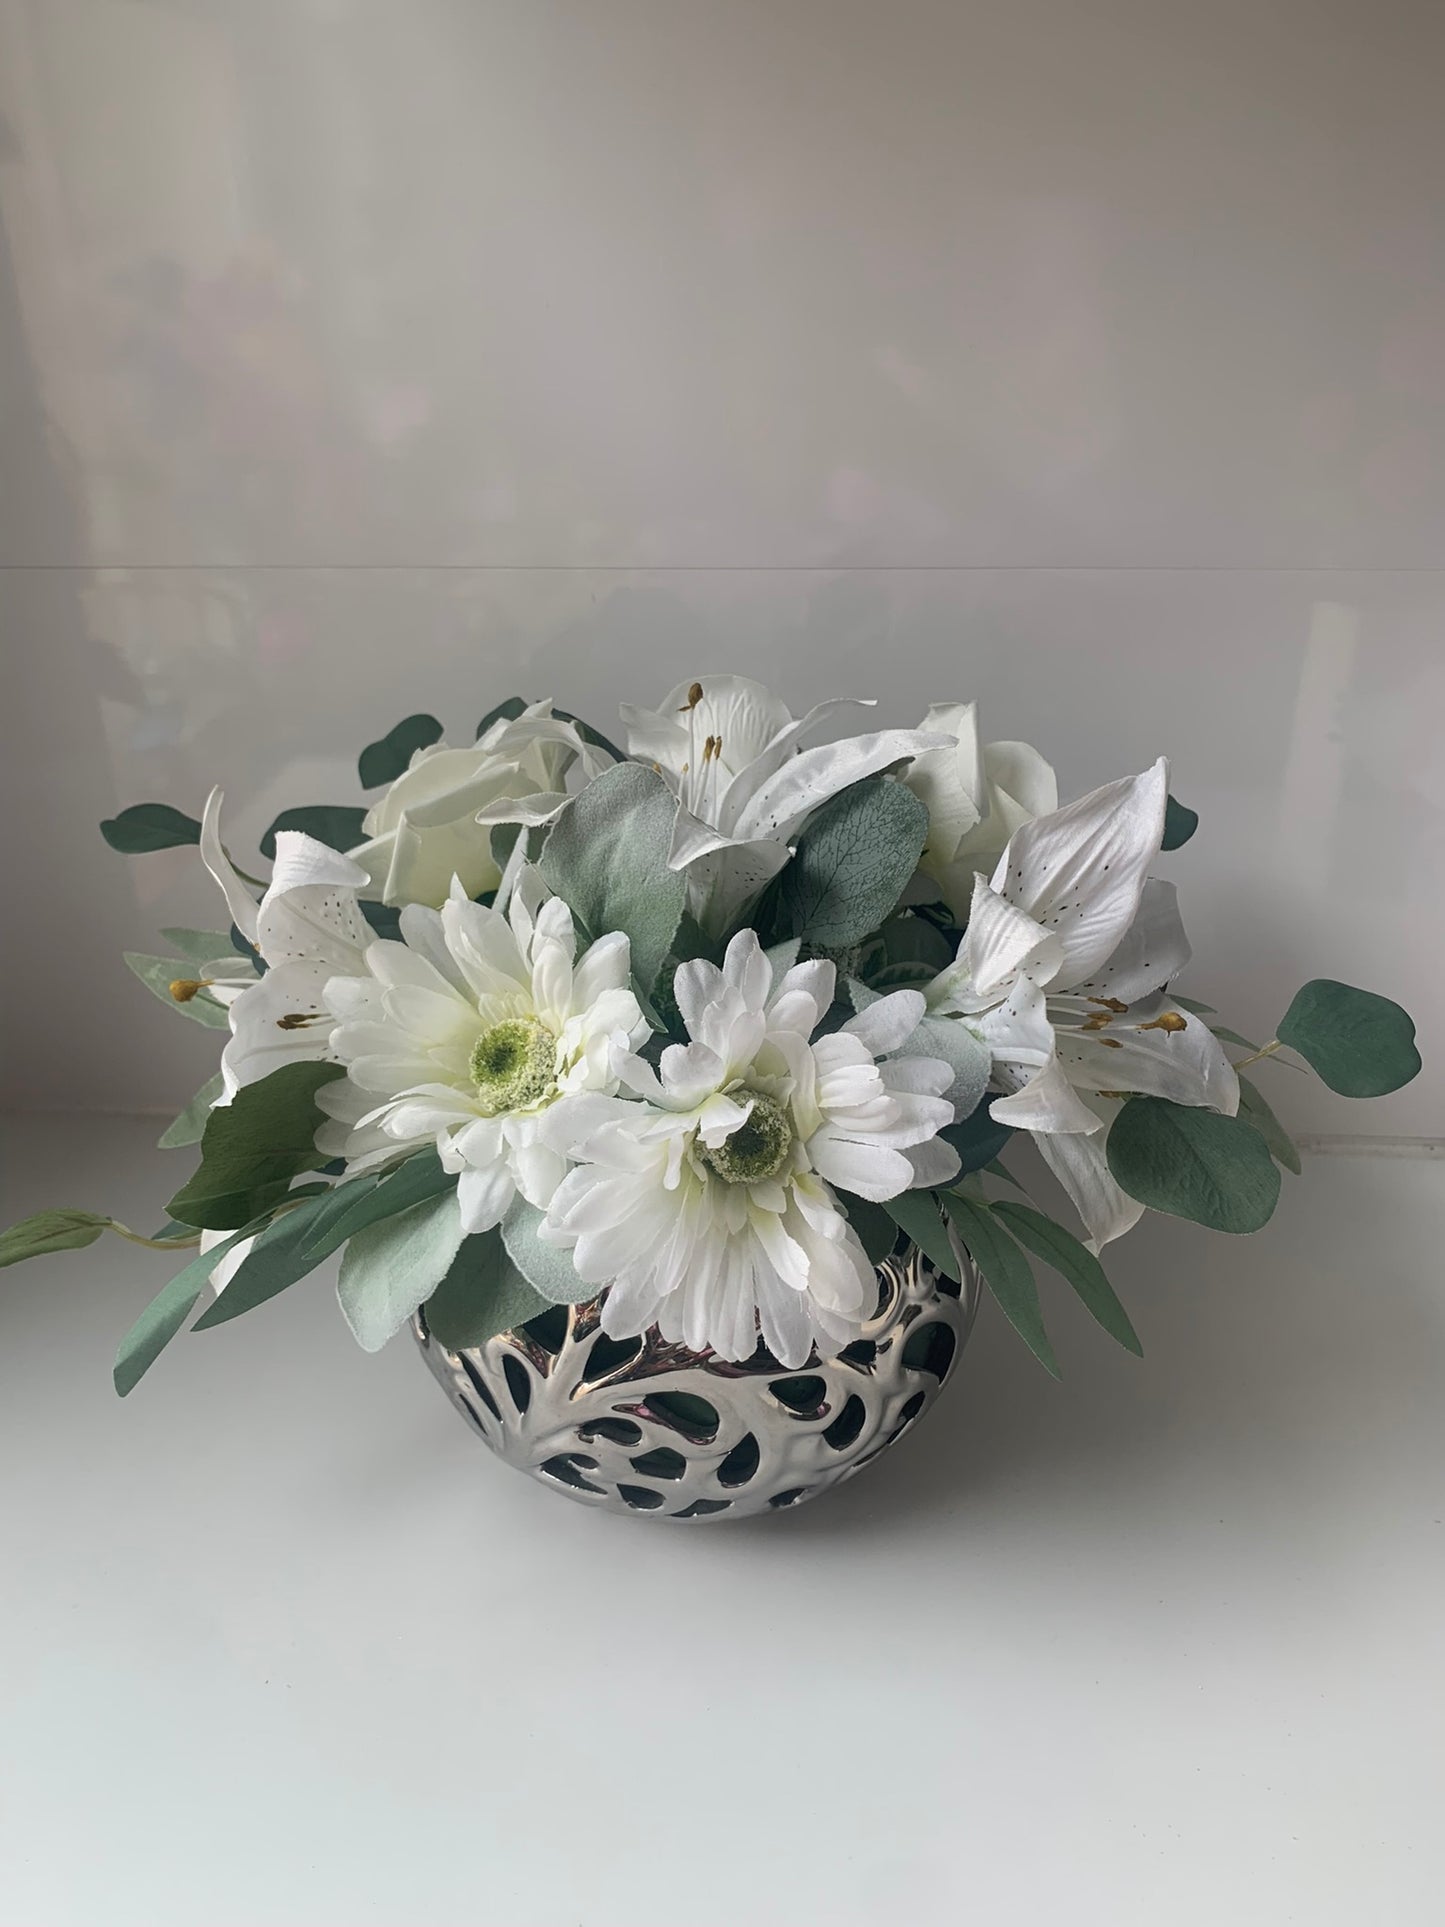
482,1294
337,825
852,863
996,1168
876,1228
1180,823
190,1125
1361,1045
47,1231
391,1267
547,1268
1005,1271
1252,1105
167,1312
1191,1003
589,734
977,1139
1227,1036
1195,1164
253,1147
1061,1249
917,1213
159,973
149,826
279,1258
366,1200
384,760
606,857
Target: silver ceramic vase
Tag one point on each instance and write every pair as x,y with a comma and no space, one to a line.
644,1427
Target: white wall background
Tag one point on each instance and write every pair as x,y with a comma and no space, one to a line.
1086,358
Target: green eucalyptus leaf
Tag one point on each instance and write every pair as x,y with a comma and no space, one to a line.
1180,823
1195,1164
1227,1036
253,1147
159,973
1252,1106
1061,1249
279,1258
337,825
590,735
383,761
877,1230
390,1268
606,857
1005,1271
1191,1003
482,1294
190,1125
47,1231
916,1212
150,826
852,863
506,711
547,1268
1361,1045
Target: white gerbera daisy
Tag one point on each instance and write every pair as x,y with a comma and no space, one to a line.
707,1208
467,1033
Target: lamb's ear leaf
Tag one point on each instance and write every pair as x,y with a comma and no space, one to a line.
1061,1249
606,857
384,760
337,825
1005,1271
482,1294
391,1267
150,826
547,1268
1361,1045
1192,1163
852,864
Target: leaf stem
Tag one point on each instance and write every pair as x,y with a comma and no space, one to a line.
1266,1050
154,1244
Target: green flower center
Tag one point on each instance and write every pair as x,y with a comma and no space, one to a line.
514,1066
757,1149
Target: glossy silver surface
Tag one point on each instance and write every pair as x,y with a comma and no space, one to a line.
611,1423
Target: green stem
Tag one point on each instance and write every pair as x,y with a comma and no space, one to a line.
154,1244
1266,1050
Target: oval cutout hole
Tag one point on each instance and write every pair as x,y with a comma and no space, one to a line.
617,1431
663,1463
685,1412
639,1498
518,1383
549,1328
700,1508
741,1463
609,1355
930,1349
804,1395
790,1497
480,1387
848,1424
567,1469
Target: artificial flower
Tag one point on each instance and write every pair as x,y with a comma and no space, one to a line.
977,795
729,751
307,928
432,823
1062,973
707,1206
466,1032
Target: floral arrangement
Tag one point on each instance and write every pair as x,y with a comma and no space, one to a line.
708,1027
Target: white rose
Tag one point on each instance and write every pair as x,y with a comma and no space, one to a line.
425,829
976,796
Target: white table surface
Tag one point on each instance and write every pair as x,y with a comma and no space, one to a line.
1162,1644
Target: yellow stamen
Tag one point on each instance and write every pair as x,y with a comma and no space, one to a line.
1110,1003
1111,1043
298,1019
184,988
1168,1021
694,697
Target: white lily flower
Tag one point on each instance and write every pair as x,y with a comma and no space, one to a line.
977,796
308,927
729,751
466,1033
707,1208
1062,973
433,822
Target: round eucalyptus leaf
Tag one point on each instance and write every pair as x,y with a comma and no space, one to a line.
1361,1045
